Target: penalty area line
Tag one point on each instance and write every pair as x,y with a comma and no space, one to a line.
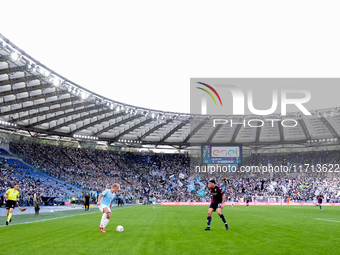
60,217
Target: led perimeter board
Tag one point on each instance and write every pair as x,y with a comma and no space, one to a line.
221,153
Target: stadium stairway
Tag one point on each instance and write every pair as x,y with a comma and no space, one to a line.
17,162
63,186
4,149
4,152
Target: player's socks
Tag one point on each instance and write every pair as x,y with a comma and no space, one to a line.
223,219
6,222
103,219
106,222
9,217
209,220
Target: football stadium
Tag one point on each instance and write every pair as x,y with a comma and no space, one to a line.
85,173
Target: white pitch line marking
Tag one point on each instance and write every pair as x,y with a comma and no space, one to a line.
328,220
58,217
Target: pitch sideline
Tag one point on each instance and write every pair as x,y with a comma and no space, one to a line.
61,217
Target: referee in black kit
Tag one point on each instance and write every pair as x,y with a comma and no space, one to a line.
87,201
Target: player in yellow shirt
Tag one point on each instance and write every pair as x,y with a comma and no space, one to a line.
73,202
12,196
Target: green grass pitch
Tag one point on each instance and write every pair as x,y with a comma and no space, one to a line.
177,230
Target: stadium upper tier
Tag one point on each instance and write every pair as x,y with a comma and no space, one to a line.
38,101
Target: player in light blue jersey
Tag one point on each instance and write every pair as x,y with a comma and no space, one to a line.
232,202
153,202
105,204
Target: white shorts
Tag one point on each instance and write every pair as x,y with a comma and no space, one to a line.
101,208
153,203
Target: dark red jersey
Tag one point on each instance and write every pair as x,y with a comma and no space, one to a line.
217,194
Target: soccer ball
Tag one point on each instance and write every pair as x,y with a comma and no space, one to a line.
119,228
51,211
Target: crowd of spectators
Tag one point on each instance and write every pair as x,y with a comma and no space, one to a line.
296,189
96,170
299,161
167,175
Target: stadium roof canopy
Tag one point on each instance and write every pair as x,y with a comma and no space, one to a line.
37,100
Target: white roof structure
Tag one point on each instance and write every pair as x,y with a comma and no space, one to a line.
37,100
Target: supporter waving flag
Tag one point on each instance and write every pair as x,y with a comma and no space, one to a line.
201,193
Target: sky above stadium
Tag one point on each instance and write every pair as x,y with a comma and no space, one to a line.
145,52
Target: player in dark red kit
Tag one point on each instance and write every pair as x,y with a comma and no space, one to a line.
216,203
320,201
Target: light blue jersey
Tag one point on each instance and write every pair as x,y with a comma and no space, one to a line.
107,197
232,199
154,200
